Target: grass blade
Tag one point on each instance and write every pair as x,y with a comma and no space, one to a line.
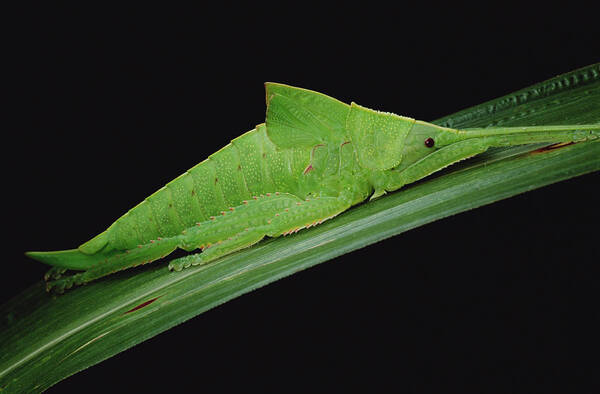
122,310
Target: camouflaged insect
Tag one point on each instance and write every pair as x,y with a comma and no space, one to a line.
314,158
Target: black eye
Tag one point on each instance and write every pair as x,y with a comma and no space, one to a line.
429,142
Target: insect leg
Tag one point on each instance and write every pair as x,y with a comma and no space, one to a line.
307,213
54,273
234,229
130,258
437,160
239,241
277,214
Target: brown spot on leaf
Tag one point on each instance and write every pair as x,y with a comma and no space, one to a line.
551,147
143,304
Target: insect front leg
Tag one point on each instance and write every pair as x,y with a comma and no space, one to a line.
436,161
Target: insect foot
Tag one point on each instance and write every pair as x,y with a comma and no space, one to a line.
60,285
54,273
185,262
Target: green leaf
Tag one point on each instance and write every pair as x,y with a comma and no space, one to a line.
45,339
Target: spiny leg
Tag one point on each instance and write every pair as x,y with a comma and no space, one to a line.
286,219
272,215
308,213
234,229
251,214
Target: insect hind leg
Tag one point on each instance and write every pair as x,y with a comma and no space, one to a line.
54,273
60,283
235,229
239,241
283,219
143,254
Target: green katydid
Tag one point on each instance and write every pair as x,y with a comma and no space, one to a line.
312,159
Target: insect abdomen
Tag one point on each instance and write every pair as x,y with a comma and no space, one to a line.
246,167
229,178
253,148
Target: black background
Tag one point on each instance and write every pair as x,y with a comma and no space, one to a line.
111,104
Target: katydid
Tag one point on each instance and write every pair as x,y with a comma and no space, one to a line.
312,159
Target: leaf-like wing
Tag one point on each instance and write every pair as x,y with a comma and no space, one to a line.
302,118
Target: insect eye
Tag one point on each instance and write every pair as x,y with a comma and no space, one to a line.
429,142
